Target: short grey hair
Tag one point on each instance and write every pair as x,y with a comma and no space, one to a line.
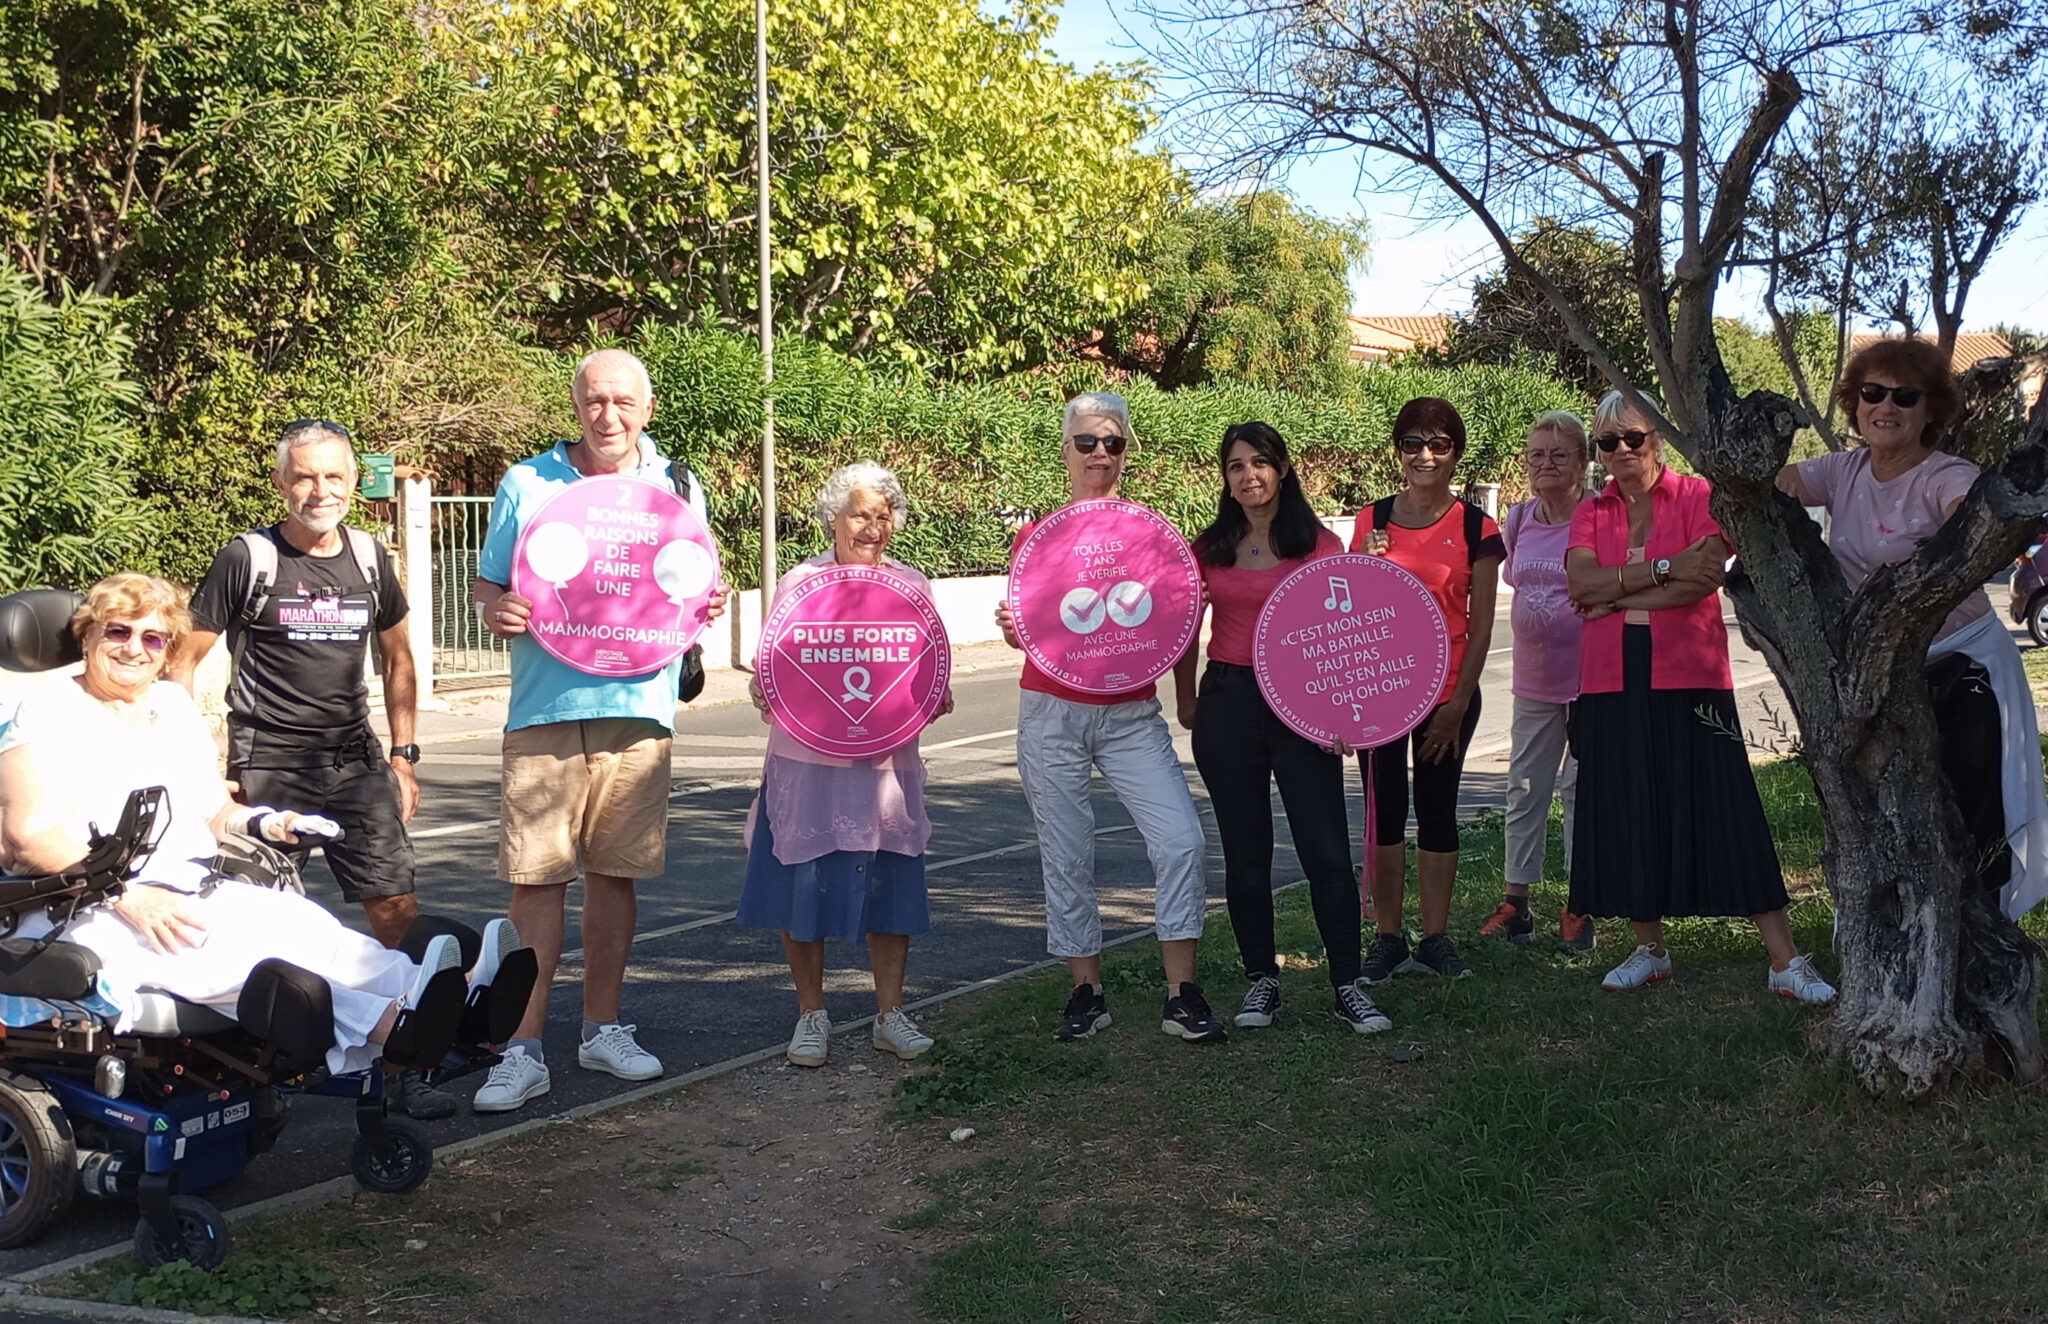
310,434
639,370
1105,403
1614,406
848,478
1565,424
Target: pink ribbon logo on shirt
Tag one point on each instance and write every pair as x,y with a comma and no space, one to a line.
854,662
620,573
1105,596
1351,647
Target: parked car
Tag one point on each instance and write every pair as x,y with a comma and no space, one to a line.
2030,592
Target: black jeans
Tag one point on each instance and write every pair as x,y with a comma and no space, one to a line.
1241,749
1436,786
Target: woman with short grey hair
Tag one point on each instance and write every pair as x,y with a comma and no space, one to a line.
835,847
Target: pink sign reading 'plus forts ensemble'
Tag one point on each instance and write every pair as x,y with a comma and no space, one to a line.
1351,647
854,662
1105,596
620,573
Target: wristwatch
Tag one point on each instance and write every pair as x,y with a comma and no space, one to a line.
410,753
1660,571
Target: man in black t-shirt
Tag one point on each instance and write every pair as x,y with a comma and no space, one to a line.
299,603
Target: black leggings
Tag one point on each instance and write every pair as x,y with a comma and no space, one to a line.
1241,749
1436,787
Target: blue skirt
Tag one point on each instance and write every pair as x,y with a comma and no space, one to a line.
847,894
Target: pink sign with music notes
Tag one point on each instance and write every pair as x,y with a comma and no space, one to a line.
1351,647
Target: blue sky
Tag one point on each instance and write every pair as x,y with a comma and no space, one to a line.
1421,266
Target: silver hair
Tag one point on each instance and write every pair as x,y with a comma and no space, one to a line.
639,371
1565,424
307,435
848,478
1104,403
1614,406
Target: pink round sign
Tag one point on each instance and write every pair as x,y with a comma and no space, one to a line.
619,571
1104,595
854,661
1351,647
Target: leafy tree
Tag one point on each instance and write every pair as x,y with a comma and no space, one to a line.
1249,288
944,190
1510,316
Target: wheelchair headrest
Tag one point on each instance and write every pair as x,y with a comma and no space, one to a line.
35,629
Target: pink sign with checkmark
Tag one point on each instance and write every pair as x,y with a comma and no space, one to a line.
854,661
1351,647
1105,595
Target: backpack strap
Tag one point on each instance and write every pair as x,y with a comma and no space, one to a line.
262,548
1475,528
1382,512
362,544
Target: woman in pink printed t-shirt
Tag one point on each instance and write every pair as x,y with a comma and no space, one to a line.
1546,671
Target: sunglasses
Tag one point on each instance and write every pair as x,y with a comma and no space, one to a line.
1905,397
1611,441
1412,445
116,633
326,423
1112,444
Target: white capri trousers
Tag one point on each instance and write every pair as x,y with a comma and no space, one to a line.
1059,744
1539,761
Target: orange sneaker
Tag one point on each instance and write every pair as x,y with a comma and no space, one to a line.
1508,921
1574,932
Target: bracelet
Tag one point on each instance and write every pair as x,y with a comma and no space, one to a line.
1619,582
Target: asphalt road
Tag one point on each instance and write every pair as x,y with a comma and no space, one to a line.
702,990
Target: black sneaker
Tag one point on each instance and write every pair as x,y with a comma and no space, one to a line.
417,1099
1508,921
1189,1017
1388,953
1359,1011
1261,1000
1087,1011
1434,955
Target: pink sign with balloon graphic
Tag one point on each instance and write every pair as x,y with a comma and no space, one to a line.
620,572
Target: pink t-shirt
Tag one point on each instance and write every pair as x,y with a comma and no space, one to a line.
1546,628
1238,593
1876,523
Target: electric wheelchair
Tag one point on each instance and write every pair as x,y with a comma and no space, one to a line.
185,1097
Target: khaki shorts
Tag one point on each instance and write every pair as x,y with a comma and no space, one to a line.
584,796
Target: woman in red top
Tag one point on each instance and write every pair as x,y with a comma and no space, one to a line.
1264,529
1669,821
1455,549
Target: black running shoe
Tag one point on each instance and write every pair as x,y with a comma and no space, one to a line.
1388,953
1360,1012
1434,955
1189,1017
1087,1011
1261,1000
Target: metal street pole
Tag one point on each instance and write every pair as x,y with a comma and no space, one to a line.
767,301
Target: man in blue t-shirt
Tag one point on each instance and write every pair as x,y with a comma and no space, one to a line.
586,758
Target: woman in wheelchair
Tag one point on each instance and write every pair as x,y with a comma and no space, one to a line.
71,754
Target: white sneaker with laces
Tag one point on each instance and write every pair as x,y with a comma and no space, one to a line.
500,941
517,1078
896,1033
1642,967
615,1052
808,1046
1800,980
443,953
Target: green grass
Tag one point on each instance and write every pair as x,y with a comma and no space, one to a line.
1547,1151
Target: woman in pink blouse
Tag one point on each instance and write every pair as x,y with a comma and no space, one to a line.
835,847
1264,529
1669,821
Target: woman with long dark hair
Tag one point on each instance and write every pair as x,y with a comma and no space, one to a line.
1264,529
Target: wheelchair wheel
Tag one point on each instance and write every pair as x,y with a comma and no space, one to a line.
202,1236
38,1159
406,1160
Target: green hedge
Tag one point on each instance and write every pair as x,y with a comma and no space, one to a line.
978,457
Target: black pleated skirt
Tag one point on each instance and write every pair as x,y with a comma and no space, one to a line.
1669,823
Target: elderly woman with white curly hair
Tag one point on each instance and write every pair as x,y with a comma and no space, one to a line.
835,847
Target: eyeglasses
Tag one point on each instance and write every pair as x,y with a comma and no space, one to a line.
116,633
1610,441
1112,444
1905,397
326,424
1412,445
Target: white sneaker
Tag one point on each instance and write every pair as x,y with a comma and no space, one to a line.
500,941
615,1051
1800,980
517,1078
443,953
1641,967
896,1033
813,1036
